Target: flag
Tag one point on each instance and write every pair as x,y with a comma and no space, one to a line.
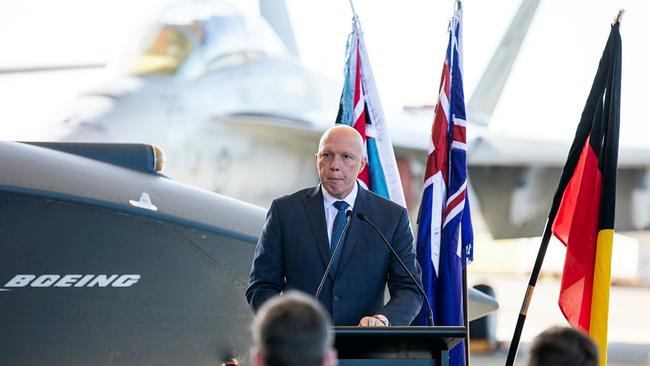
360,108
444,240
583,206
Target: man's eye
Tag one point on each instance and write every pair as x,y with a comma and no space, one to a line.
326,155
347,156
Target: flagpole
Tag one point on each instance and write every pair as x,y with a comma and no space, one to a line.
564,181
459,6
465,318
534,275
618,18
354,12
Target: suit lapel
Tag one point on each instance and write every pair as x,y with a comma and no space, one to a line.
316,217
357,228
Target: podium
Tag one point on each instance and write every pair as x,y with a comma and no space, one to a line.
408,346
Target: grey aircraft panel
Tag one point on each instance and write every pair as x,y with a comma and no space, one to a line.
88,279
66,174
70,303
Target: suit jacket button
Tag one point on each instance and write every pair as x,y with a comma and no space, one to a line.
336,298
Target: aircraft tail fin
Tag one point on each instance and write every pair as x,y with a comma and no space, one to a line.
275,12
488,91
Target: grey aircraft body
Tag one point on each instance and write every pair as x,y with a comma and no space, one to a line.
91,274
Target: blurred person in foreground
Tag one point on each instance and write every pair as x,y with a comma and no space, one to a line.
292,330
563,346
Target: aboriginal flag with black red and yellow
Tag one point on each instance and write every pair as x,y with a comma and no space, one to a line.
583,206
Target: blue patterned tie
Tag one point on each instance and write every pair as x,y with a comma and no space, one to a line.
337,230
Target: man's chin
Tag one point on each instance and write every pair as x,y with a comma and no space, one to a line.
336,192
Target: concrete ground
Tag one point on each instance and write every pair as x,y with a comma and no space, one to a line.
629,319
619,355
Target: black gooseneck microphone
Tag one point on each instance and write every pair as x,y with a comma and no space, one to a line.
363,217
348,216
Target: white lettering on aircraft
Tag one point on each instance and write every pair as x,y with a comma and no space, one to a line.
71,280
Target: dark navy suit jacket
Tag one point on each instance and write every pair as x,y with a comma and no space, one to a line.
293,252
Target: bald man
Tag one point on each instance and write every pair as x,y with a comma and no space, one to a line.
301,232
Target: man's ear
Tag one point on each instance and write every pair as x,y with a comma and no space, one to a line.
331,358
364,161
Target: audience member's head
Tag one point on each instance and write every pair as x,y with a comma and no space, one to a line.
563,346
292,329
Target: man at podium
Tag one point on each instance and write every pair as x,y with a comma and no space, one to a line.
320,226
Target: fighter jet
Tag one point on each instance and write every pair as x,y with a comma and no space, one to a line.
106,261
225,94
202,61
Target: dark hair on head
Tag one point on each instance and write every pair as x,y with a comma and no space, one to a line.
563,346
292,330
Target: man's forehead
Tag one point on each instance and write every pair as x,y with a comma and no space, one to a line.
341,140
338,149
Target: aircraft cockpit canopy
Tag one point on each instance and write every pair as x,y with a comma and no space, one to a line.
196,37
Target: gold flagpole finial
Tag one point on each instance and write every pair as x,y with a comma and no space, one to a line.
619,16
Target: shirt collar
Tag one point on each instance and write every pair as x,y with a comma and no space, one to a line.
329,200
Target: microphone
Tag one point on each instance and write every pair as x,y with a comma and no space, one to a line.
363,217
348,218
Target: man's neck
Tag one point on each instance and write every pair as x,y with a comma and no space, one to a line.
330,197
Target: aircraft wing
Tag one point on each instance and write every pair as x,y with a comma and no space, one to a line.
410,131
47,68
513,176
298,135
517,150
273,123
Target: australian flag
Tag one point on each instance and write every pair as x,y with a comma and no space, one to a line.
444,240
360,108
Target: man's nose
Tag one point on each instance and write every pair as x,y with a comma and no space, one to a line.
335,164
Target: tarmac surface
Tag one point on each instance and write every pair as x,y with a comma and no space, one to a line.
629,321
619,355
